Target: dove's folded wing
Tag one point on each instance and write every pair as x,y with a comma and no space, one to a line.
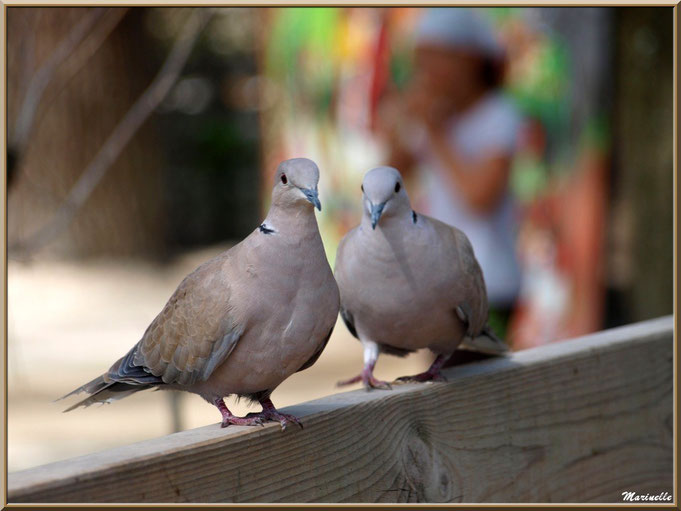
194,333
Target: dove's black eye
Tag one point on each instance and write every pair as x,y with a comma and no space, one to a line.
362,187
283,179
397,187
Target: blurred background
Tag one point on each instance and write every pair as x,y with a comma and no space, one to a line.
142,141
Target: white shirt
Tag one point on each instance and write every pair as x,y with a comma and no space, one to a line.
492,124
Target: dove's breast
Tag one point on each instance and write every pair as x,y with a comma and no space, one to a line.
285,324
400,294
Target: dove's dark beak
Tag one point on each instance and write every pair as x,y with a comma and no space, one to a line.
376,210
313,197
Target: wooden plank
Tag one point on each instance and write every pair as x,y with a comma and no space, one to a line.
577,421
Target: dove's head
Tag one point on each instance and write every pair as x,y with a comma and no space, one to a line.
295,183
384,194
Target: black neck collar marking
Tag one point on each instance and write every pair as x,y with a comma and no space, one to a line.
414,216
265,230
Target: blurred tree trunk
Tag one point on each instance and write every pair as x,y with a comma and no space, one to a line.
641,254
123,216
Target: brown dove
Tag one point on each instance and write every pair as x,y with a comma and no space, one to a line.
244,321
408,282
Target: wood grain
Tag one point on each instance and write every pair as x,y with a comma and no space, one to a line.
577,421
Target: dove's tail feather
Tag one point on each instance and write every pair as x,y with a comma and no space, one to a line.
103,392
91,387
474,349
487,342
123,378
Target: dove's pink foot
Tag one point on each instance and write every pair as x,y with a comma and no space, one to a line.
368,379
432,374
271,414
228,418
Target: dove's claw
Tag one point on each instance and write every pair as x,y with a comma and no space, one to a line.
373,383
282,418
270,413
350,381
432,374
228,418
241,421
368,379
421,377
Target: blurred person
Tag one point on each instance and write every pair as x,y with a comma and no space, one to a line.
455,128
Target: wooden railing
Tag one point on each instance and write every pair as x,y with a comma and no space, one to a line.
577,421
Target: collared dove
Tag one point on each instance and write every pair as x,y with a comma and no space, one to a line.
408,282
244,321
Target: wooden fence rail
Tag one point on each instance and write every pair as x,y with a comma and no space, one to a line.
577,421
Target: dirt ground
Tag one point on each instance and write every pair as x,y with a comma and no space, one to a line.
67,322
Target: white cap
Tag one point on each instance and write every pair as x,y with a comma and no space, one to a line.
458,27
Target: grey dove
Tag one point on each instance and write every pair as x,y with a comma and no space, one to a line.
409,282
244,321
